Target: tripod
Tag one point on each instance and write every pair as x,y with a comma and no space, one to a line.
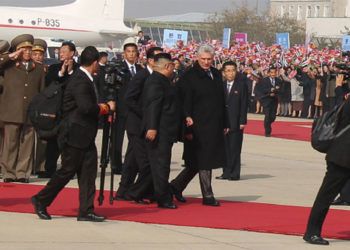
106,151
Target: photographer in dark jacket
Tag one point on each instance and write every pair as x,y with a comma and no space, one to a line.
338,173
269,88
77,137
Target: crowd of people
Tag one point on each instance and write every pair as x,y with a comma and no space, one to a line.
198,94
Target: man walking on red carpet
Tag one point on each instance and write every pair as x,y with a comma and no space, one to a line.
77,137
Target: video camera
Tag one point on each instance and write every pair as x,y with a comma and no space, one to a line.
343,69
115,72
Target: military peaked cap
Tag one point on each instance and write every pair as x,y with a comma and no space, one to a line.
22,41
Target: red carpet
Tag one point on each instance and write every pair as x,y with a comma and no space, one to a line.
300,131
250,216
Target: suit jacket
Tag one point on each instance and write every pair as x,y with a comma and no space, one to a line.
133,100
80,112
20,86
237,103
120,100
160,107
265,90
52,74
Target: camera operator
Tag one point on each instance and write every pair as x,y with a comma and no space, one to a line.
99,77
269,88
337,175
124,72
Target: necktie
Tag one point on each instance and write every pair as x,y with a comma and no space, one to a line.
229,87
132,69
273,82
209,74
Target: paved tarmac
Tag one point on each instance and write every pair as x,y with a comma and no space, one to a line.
274,171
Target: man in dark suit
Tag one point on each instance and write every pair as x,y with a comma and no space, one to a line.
160,125
237,107
142,39
337,175
268,89
59,73
130,68
143,186
77,137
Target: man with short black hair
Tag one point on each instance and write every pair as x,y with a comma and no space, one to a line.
160,124
268,91
236,92
77,137
133,99
58,73
130,68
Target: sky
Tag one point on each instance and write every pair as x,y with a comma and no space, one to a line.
150,8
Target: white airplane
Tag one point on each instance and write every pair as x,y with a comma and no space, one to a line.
86,22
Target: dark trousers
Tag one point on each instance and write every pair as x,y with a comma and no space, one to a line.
233,148
333,182
270,116
159,155
52,155
117,141
82,162
130,169
143,186
345,192
306,105
187,174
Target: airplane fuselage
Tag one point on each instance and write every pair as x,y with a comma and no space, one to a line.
82,30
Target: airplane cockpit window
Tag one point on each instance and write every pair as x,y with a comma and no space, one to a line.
10,20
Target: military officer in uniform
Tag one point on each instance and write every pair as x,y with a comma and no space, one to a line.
23,79
38,55
4,47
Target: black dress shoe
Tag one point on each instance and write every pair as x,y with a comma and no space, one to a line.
91,217
23,180
40,210
211,202
7,180
233,179
168,205
178,195
221,177
340,202
267,135
316,240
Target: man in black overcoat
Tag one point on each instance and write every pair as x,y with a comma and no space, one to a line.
205,116
268,89
77,138
160,125
236,92
338,173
